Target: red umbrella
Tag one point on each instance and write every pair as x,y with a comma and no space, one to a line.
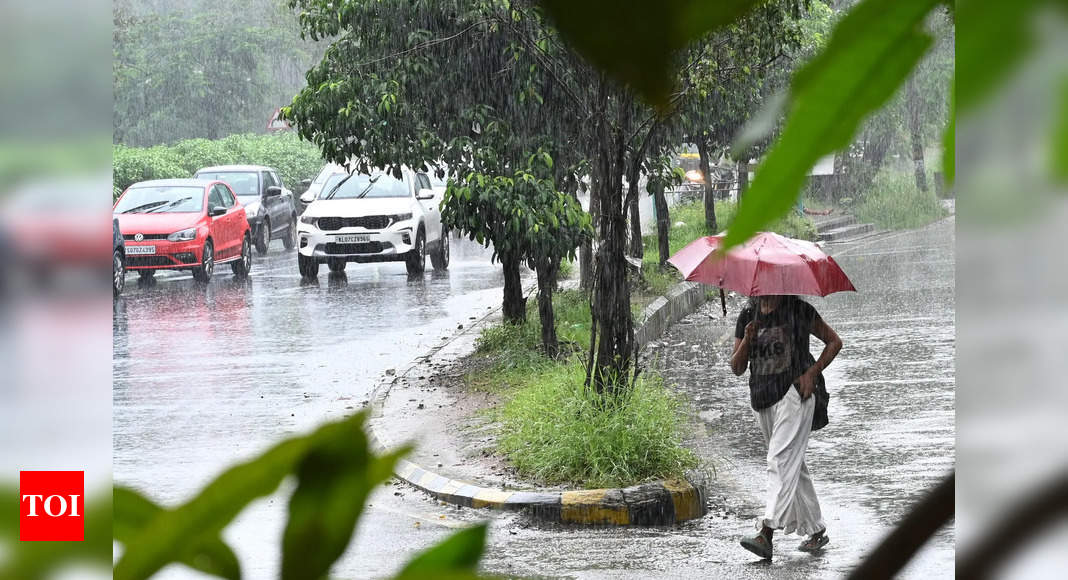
766,264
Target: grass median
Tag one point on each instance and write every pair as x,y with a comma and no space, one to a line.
895,203
555,431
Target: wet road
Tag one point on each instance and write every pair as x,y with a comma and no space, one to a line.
206,376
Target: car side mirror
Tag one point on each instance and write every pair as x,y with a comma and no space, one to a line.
217,211
273,191
306,182
307,197
425,194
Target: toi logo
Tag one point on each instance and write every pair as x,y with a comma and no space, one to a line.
51,506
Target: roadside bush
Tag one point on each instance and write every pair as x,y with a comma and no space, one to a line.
895,203
294,159
556,431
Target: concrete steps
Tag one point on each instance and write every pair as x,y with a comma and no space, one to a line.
844,232
827,223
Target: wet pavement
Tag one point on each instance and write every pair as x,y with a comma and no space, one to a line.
208,376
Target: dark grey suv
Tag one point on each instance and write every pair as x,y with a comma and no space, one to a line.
269,206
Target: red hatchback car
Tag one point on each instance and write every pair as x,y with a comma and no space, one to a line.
183,224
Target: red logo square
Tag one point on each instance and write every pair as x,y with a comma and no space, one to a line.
51,506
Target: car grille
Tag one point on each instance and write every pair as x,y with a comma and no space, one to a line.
371,222
130,237
362,248
135,261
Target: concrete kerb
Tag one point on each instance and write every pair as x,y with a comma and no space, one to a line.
650,504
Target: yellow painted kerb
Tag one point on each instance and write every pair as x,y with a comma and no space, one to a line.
685,497
490,498
586,507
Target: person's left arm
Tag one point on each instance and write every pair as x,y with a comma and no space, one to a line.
831,345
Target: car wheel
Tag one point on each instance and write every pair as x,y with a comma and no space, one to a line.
203,272
263,236
309,267
440,257
118,274
243,266
336,265
146,274
290,241
416,259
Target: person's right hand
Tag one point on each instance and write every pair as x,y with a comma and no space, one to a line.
750,331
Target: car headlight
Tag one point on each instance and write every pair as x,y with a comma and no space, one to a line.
183,236
400,217
308,220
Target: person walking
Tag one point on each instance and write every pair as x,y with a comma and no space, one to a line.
772,342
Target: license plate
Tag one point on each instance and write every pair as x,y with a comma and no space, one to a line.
352,239
140,250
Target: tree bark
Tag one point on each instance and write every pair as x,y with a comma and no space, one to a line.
636,248
586,259
743,178
915,112
611,303
710,197
515,306
663,223
546,270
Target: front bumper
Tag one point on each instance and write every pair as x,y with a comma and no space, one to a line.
389,245
168,256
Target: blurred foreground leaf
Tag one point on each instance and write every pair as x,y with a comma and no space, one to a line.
1060,136
172,534
209,554
335,478
871,52
456,557
635,41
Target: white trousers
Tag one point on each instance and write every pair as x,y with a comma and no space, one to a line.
792,503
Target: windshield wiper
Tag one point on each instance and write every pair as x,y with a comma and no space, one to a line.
169,204
369,186
144,206
334,189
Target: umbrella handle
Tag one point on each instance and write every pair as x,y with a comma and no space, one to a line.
723,302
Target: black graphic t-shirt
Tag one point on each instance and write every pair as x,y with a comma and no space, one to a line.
780,346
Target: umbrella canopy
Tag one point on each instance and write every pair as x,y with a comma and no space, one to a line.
767,264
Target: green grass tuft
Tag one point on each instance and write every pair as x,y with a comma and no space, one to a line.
895,203
554,431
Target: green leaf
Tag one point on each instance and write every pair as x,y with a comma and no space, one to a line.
1059,149
175,532
458,554
133,512
949,143
635,41
334,479
873,49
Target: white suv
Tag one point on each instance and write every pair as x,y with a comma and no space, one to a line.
374,217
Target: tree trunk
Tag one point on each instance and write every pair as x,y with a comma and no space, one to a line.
915,112
663,223
611,304
743,178
515,306
586,265
546,270
710,198
636,248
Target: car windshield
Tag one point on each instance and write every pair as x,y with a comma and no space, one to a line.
375,185
244,183
162,199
